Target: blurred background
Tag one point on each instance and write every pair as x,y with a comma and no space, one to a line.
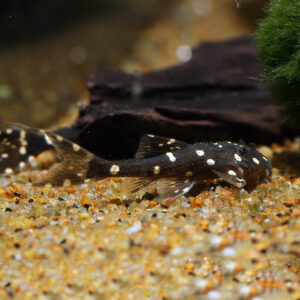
49,48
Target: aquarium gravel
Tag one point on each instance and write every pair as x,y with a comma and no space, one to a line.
82,242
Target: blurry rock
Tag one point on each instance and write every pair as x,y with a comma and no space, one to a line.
217,95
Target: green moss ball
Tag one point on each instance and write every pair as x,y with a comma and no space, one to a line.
278,39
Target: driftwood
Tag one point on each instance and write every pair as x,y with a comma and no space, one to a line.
217,95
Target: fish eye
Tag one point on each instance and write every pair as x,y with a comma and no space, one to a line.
243,150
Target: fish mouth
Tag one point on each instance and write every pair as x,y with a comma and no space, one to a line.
269,170
258,176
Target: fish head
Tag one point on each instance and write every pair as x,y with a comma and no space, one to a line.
241,164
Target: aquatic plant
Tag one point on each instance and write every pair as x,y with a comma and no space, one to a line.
278,39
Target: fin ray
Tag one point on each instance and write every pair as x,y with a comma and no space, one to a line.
73,167
17,144
233,177
153,145
74,160
173,187
169,188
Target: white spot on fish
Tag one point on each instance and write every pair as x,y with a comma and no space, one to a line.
22,164
171,141
151,135
22,150
185,190
9,131
59,138
156,170
265,158
8,171
200,152
237,157
4,155
231,172
189,174
22,134
171,156
24,142
47,139
32,161
76,147
220,146
160,145
114,169
256,160
210,162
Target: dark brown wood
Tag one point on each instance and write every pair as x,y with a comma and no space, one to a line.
217,95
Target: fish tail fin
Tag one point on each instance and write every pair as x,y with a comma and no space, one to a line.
19,145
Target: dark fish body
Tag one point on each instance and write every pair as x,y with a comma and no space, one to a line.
169,165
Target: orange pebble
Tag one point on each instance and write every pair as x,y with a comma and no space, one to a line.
189,267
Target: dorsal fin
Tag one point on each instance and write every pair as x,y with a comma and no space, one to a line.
241,142
252,146
154,145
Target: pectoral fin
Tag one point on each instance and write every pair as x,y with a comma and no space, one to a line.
231,176
173,187
166,188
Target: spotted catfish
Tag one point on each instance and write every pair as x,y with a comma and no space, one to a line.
170,166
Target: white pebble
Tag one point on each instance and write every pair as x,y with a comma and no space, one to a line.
216,240
229,251
245,290
137,226
230,266
201,283
214,295
176,251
